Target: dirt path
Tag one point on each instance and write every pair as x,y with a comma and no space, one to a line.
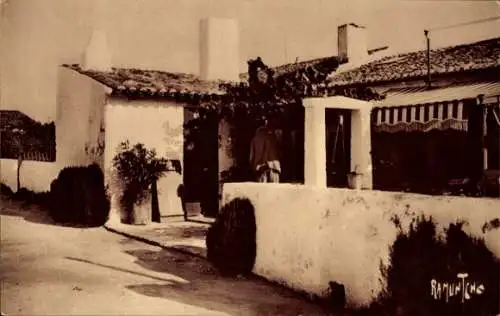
50,269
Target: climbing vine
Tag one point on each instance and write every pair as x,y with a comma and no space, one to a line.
268,95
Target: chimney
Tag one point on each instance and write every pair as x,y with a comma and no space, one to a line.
219,49
97,55
352,43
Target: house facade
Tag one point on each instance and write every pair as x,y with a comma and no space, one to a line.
100,106
424,133
428,133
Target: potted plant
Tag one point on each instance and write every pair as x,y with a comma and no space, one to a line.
137,168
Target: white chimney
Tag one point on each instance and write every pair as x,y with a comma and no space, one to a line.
97,55
352,43
219,49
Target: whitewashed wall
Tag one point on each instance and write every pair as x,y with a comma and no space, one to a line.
34,175
158,125
308,236
80,119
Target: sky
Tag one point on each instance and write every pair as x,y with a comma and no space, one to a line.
38,35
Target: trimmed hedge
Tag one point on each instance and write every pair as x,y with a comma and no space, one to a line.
27,196
78,196
231,244
5,190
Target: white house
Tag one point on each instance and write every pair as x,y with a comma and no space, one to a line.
99,106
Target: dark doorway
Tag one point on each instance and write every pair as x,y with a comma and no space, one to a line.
201,167
290,123
338,147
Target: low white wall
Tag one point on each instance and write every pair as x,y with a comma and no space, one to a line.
34,175
307,237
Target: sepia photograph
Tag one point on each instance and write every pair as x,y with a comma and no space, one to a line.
250,157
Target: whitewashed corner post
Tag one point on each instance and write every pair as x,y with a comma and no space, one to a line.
314,144
361,160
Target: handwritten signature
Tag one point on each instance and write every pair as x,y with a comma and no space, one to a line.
466,289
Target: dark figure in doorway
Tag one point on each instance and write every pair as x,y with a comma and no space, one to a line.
264,156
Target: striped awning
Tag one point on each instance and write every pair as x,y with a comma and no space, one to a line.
441,109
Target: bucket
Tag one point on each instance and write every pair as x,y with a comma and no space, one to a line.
354,180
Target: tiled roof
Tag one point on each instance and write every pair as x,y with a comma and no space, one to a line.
37,139
462,58
325,65
10,119
152,83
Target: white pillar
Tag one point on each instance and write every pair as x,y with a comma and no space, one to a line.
315,144
361,146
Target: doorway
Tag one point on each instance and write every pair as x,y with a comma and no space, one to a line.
338,147
201,167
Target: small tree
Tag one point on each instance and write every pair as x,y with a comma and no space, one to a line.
19,148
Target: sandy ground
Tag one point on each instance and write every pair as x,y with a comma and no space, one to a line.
48,269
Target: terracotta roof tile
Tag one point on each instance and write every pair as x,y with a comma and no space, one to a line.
461,58
152,82
37,139
10,119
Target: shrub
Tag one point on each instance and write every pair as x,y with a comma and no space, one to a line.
231,245
29,197
78,196
421,264
25,195
6,191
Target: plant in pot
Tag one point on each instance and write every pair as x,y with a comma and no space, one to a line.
137,169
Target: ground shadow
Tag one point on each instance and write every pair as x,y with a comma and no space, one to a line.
248,295
118,269
33,213
189,249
